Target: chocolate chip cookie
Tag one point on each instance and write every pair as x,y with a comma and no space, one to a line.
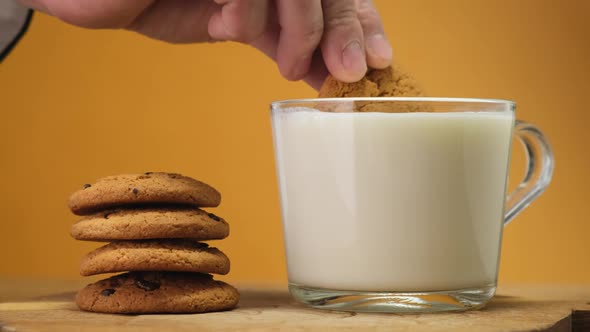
151,188
157,292
150,223
155,255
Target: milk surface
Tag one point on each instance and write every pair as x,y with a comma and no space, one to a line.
392,202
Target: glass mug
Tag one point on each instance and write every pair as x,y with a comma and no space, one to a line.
399,207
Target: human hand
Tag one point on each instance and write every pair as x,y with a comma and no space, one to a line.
306,38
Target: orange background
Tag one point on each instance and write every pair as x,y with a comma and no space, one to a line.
79,104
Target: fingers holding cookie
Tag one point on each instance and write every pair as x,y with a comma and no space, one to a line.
308,39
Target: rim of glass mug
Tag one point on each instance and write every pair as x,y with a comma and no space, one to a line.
511,105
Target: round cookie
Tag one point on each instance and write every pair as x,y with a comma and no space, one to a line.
140,189
157,292
155,255
150,223
388,82
332,88
394,82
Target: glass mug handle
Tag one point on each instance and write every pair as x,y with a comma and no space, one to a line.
539,169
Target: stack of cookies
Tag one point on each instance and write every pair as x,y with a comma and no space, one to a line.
154,225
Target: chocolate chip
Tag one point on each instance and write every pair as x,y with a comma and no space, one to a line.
148,173
107,292
147,285
214,217
135,191
87,185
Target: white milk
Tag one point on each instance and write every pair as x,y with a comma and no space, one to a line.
392,202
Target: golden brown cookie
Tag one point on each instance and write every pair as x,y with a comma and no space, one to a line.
157,292
388,82
394,82
141,189
332,88
150,223
155,255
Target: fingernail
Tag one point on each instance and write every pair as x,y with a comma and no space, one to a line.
353,58
379,47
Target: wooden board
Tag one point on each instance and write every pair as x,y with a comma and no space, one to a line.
33,306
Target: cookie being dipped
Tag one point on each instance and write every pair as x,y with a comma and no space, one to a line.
388,82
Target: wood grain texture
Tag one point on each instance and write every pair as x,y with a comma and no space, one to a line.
516,308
